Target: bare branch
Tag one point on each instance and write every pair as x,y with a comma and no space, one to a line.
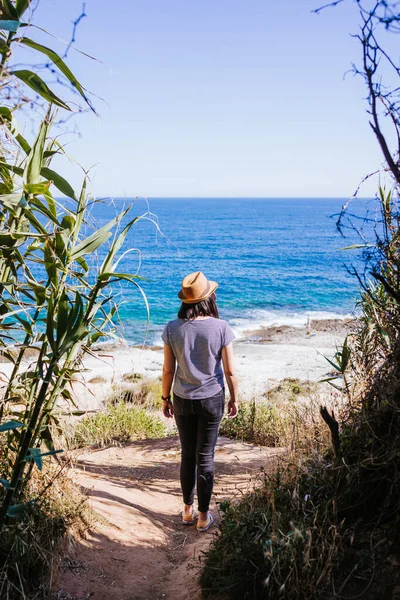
329,5
334,429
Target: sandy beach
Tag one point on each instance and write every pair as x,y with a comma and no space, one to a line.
263,356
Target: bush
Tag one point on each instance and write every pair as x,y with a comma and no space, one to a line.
120,423
268,546
30,544
287,539
146,394
258,423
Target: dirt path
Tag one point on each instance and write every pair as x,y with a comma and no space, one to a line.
139,550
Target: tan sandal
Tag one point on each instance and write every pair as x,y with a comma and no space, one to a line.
207,524
189,519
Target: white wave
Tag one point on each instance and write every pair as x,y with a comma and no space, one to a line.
257,319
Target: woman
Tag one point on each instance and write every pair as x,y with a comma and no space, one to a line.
195,344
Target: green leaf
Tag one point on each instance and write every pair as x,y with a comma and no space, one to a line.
57,60
125,276
37,188
50,203
92,242
8,185
82,263
5,114
35,157
13,201
334,365
117,244
9,25
4,49
40,207
36,454
62,318
80,211
52,452
13,168
17,509
37,84
355,246
5,484
10,425
60,246
60,183
8,9
21,6
49,261
23,143
68,222
40,293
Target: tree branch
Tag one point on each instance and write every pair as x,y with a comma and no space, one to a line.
334,429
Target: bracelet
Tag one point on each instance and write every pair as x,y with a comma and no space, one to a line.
167,399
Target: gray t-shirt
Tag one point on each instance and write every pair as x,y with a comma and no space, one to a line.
197,346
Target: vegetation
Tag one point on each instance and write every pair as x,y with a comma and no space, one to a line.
56,301
52,304
120,423
29,541
288,417
328,526
258,423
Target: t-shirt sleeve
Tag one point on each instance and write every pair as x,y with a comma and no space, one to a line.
165,335
227,335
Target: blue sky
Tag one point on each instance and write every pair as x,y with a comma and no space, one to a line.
217,97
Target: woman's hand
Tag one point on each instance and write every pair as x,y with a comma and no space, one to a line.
232,409
231,379
167,409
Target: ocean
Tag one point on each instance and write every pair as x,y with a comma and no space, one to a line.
277,261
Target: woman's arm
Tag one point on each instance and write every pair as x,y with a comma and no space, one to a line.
168,373
231,379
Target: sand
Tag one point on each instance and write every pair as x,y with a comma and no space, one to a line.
139,549
263,358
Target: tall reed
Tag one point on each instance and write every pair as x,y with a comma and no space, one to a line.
53,307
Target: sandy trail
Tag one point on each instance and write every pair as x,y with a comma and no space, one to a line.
139,550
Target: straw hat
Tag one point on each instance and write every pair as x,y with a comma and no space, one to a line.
196,287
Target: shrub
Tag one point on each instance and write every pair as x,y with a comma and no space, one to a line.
273,544
120,423
258,423
30,544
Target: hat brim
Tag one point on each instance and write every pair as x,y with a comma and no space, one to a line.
213,287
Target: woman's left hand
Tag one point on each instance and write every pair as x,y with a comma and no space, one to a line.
167,409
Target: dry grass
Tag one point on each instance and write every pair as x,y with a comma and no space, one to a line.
323,526
31,542
288,415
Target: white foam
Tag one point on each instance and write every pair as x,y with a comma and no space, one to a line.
260,318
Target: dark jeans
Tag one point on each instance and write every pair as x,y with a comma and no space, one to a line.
198,423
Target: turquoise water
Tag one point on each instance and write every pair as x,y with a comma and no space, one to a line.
276,260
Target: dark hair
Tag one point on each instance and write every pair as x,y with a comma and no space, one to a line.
205,308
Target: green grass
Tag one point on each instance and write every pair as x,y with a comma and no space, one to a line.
120,423
257,422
